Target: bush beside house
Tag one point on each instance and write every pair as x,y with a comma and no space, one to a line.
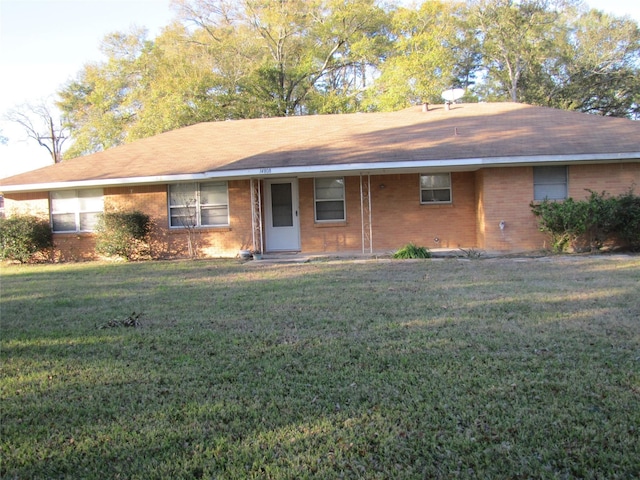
24,236
123,234
593,223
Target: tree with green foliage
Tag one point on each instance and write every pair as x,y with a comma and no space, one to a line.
180,86
421,61
97,105
600,67
557,54
227,59
515,36
295,51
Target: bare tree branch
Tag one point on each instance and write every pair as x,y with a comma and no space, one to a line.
42,125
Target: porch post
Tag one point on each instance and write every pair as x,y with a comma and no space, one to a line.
256,214
365,214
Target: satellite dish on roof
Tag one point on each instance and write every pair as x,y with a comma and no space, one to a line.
453,94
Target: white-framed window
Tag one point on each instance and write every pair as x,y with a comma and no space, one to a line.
435,188
550,183
198,204
329,199
76,210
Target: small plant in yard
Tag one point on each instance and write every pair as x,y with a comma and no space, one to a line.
187,217
412,251
22,236
123,234
132,320
471,253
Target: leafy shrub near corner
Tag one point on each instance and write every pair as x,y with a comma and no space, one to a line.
123,234
628,217
596,220
22,236
412,251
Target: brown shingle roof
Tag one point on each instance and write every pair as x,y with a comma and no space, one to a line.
466,131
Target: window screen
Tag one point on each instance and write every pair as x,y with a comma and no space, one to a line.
329,199
198,204
76,210
550,182
435,188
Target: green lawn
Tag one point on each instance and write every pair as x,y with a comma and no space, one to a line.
490,368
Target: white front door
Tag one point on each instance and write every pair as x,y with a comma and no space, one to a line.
281,212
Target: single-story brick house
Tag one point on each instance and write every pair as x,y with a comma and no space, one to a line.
459,176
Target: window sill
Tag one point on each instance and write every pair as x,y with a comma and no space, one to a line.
540,202
179,230
341,223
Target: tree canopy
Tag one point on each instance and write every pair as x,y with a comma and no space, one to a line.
231,59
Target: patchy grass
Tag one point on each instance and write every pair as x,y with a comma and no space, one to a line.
376,369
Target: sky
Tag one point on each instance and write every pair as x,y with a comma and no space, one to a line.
45,43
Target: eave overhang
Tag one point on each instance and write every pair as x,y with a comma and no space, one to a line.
413,166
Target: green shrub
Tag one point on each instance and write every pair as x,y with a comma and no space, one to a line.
123,234
564,221
595,220
628,216
22,236
412,251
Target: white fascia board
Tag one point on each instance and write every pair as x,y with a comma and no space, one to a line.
108,182
583,158
353,168
465,163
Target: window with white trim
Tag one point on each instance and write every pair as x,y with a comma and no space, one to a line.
329,199
76,210
550,183
435,188
198,204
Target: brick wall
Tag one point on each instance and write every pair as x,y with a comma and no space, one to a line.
398,217
345,236
173,242
68,246
74,247
152,200
505,196
612,178
31,203
149,199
